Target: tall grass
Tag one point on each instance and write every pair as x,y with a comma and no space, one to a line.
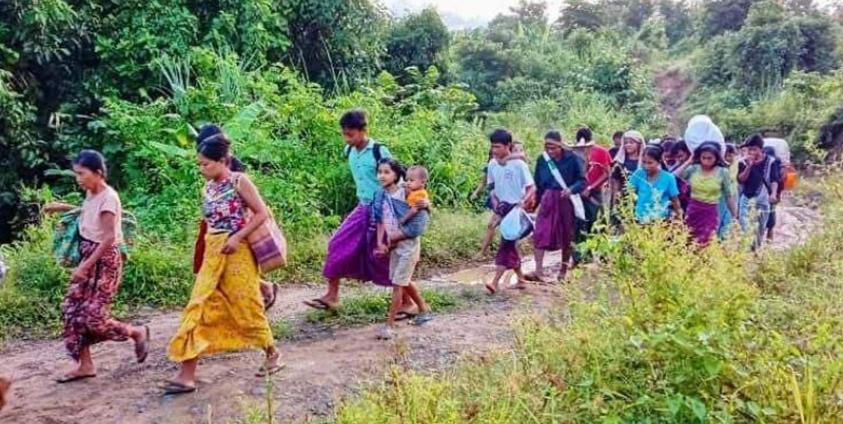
665,334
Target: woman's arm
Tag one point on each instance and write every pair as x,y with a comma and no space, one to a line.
57,207
109,223
677,207
681,168
254,202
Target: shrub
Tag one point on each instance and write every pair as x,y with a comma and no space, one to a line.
665,334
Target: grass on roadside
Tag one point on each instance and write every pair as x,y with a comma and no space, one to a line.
372,306
158,273
667,335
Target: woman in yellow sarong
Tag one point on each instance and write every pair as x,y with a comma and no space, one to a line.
226,310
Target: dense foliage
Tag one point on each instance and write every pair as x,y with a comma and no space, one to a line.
135,79
679,338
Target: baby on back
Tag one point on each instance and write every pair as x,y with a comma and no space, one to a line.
417,196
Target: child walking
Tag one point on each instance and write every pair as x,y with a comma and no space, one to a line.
513,186
516,152
401,212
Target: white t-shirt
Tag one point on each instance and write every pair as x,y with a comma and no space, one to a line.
510,179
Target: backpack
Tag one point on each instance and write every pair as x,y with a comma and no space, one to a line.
376,151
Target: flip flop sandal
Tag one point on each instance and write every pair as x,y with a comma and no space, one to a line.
533,277
404,315
71,378
274,297
264,371
142,349
491,289
421,319
173,388
320,305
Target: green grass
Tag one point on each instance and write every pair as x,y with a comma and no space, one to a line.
372,307
282,329
666,335
159,274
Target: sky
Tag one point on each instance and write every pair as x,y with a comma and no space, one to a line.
463,13
460,14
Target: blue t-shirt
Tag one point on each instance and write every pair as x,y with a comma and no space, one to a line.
365,170
653,198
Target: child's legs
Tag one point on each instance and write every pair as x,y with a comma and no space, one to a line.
395,305
494,221
414,293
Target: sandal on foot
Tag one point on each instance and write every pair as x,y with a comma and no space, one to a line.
271,303
264,371
491,289
71,378
320,305
532,276
404,315
174,388
142,349
421,319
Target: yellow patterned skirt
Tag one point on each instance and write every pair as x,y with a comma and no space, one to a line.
226,310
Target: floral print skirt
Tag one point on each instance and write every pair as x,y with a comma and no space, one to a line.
86,310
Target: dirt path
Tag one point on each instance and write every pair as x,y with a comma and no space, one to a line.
324,366
673,87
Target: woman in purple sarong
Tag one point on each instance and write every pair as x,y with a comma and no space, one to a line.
350,250
708,175
559,174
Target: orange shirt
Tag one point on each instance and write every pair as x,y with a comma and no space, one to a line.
417,196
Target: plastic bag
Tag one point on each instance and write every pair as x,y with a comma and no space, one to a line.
702,129
516,224
781,148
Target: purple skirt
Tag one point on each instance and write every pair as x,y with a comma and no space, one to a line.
507,255
351,250
702,219
555,225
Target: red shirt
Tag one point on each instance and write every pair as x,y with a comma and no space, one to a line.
599,164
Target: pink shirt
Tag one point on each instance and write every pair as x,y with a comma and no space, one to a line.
90,222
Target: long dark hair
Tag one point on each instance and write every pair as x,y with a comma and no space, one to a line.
710,146
399,170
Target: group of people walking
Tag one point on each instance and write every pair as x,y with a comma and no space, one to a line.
379,241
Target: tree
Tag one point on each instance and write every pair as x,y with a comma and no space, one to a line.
580,14
419,40
335,42
720,16
678,21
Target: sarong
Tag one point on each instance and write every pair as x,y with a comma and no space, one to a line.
86,310
225,311
351,250
555,225
507,255
702,219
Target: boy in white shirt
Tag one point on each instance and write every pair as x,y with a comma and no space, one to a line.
513,186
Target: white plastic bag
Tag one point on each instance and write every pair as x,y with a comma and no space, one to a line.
702,129
781,147
516,224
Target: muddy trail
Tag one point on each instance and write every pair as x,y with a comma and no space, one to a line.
324,365
673,87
